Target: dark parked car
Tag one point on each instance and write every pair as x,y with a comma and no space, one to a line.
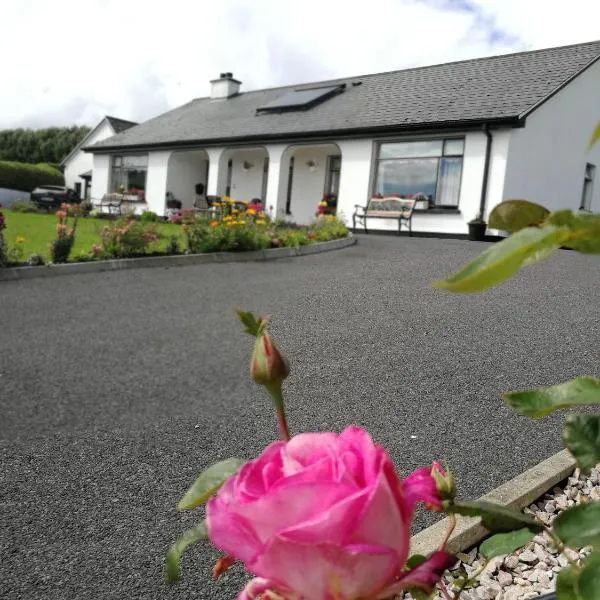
52,196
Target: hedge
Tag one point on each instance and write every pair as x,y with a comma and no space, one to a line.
26,177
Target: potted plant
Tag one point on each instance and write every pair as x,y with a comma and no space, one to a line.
477,228
422,201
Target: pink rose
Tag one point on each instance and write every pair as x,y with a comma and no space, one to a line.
322,516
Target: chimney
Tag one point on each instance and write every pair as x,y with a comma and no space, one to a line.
224,87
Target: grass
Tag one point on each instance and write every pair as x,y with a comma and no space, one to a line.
40,229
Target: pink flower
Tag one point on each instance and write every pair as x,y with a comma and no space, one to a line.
322,516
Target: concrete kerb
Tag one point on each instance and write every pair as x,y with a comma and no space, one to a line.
516,493
180,260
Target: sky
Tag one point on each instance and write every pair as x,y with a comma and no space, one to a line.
70,62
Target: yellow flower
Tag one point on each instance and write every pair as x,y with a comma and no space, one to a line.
20,240
234,211
331,218
250,212
261,215
228,218
244,202
240,222
216,204
260,221
323,203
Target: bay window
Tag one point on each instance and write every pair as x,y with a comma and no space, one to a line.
431,168
128,174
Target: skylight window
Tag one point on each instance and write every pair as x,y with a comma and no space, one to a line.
301,99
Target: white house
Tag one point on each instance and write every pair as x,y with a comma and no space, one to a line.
467,134
77,165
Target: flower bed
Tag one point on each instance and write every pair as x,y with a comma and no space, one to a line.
31,239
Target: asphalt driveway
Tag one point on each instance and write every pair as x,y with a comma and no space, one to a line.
116,389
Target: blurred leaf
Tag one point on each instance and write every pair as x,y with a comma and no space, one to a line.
579,526
595,137
495,517
505,543
582,437
415,560
502,260
514,215
584,230
566,585
209,482
189,537
589,581
542,401
252,325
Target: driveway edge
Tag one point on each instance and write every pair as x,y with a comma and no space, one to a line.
179,260
517,493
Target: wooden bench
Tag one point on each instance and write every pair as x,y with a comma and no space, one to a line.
112,202
400,209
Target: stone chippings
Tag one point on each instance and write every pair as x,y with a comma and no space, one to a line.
530,571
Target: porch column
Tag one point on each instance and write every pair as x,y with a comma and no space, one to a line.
276,180
156,181
355,176
215,176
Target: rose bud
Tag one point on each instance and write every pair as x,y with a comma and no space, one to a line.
268,366
444,481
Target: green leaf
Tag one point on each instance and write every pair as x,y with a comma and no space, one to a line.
584,230
566,584
209,482
581,436
252,325
495,517
595,137
415,560
505,543
589,582
542,401
189,537
579,526
502,260
514,215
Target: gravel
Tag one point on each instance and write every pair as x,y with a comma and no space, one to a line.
116,389
530,571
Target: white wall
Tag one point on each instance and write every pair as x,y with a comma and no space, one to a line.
82,161
186,169
547,158
308,186
156,181
101,176
246,185
355,177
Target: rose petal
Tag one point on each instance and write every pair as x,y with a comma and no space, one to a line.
424,577
325,571
420,486
257,586
307,448
289,505
250,481
383,522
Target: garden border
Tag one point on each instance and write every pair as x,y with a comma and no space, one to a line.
519,492
177,260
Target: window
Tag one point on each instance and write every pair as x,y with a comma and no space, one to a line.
78,189
129,173
301,99
588,187
429,167
332,181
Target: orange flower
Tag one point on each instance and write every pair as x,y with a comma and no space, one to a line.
251,212
214,223
61,214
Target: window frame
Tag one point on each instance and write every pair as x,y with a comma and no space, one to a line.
120,157
443,138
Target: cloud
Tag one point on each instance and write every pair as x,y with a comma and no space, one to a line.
77,60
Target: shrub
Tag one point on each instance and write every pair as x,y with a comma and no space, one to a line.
36,260
2,246
329,228
86,207
61,247
26,177
173,245
127,237
149,217
293,237
24,206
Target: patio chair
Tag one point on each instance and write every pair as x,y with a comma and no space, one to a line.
112,202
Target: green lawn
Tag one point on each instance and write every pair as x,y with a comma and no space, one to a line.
40,229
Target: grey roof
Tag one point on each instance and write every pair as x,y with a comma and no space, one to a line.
499,88
119,125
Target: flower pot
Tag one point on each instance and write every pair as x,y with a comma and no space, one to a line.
422,204
477,231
